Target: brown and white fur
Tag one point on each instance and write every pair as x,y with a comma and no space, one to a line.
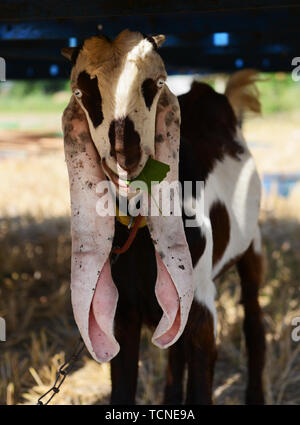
110,77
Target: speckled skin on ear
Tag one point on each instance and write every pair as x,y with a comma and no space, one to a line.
174,287
94,295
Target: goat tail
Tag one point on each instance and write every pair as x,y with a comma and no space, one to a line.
242,92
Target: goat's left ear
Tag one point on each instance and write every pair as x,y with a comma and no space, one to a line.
67,52
159,39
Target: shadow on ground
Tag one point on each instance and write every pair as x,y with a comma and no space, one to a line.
35,302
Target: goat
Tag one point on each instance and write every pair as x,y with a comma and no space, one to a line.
121,113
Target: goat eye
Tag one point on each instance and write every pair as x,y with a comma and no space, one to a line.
160,82
77,93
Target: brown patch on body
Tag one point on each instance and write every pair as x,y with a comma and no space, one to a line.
208,124
220,229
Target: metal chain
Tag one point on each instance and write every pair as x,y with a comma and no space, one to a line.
62,373
66,368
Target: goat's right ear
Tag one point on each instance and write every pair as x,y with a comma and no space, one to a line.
67,52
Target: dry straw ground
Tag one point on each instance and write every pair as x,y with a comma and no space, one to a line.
35,273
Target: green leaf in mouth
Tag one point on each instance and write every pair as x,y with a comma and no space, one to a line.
153,171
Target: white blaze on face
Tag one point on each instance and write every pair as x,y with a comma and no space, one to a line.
133,72
126,93
140,63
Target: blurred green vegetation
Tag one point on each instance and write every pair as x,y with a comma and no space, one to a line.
34,96
279,93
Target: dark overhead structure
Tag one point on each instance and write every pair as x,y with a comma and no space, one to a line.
202,36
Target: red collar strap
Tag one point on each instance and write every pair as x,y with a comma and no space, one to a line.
131,237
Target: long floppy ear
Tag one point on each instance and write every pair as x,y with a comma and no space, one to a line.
68,52
174,286
94,294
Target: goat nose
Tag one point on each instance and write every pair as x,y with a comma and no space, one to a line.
127,162
125,143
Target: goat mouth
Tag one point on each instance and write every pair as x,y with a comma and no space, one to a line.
115,178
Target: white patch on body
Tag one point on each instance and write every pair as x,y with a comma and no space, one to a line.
204,285
237,185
